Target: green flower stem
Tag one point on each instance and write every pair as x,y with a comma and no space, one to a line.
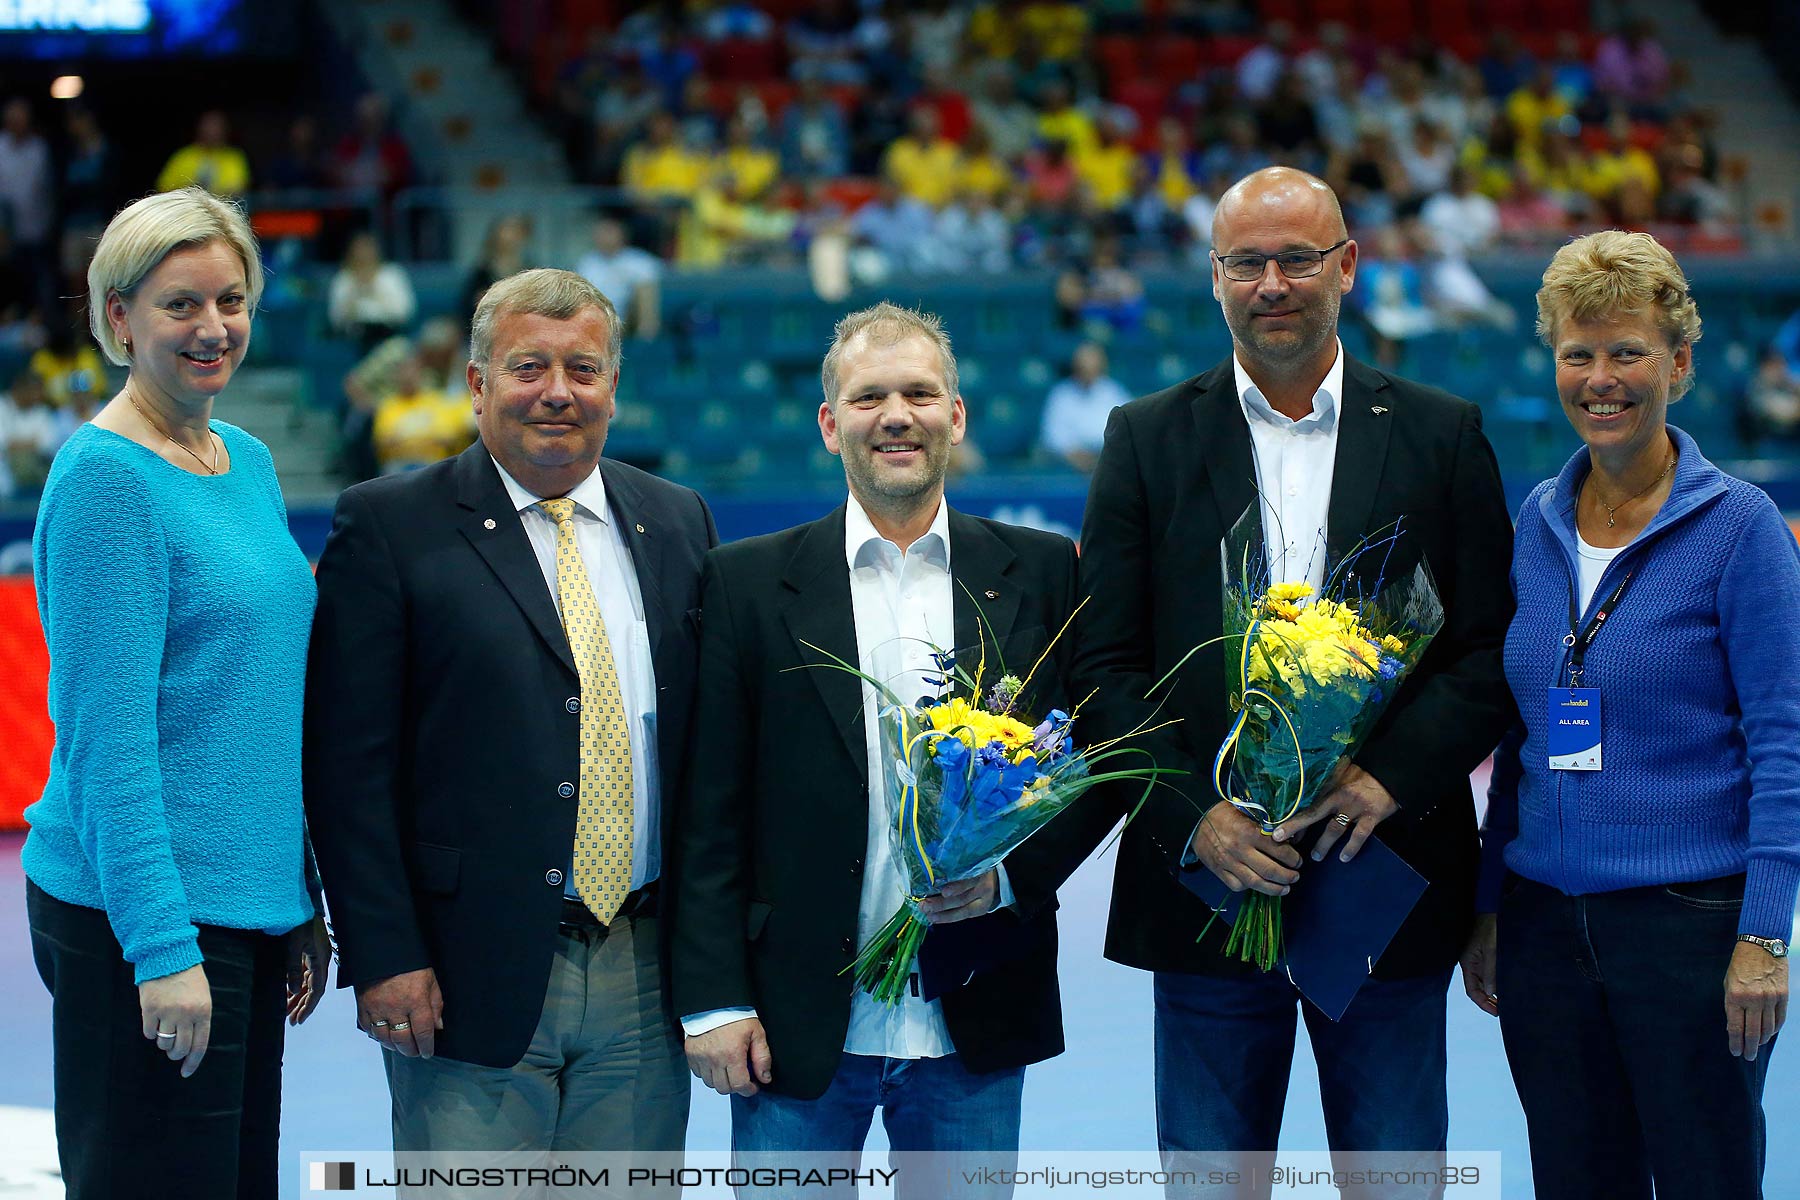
884,965
1256,932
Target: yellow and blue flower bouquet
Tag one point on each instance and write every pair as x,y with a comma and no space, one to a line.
1313,671
969,776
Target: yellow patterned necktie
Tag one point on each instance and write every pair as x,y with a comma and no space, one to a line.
603,815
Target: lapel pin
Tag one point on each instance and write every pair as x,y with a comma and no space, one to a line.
1377,409
488,524
992,594
640,529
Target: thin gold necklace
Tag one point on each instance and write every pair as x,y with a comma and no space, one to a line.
212,468
1612,509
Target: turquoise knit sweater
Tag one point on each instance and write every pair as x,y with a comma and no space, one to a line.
1699,676
177,609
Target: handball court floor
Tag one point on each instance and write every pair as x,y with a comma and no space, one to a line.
1096,1096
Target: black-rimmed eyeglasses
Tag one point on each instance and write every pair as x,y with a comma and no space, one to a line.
1295,264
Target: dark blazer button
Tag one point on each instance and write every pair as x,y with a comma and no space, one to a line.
849,945
565,790
573,704
553,877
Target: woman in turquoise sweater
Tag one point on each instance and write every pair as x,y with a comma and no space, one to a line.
174,913
1641,854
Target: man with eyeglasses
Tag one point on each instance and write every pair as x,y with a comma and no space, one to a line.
1337,451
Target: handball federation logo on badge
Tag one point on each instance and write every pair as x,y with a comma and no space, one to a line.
333,1177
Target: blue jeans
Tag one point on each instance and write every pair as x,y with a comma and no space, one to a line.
1225,1049
927,1104
1612,1010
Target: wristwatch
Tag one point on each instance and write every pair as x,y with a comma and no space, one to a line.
1774,946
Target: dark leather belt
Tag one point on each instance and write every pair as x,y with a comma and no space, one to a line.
641,903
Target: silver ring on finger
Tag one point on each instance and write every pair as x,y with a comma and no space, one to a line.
399,1026
381,1024
162,1036
1343,819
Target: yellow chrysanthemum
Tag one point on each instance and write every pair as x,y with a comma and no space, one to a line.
976,728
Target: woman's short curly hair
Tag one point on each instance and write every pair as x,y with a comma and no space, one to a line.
1614,273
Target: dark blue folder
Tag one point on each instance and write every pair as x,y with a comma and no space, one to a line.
1335,922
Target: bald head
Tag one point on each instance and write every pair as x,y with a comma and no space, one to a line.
1285,227
1281,196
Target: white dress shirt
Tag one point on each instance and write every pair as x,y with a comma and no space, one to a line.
1294,466
613,576
904,606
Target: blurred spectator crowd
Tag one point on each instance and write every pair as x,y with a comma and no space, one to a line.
949,138
869,140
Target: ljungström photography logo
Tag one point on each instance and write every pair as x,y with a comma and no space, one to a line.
333,1177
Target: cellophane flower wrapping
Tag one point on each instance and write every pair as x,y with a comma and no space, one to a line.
966,783
1309,672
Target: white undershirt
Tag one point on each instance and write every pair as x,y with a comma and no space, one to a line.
1592,562
1295,462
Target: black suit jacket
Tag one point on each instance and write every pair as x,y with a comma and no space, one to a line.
1176,473
441,760
770,845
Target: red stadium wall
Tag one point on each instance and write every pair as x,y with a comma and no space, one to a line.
25,731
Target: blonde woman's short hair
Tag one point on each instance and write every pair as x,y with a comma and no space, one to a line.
1614,273
545,292
147,231
886,324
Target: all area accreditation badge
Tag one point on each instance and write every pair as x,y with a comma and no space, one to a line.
1574,729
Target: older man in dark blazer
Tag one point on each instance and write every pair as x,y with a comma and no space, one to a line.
785,865
501,674
1337,451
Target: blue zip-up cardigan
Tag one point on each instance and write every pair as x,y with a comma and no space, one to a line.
1699,676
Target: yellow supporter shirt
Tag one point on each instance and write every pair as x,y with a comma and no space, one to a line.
81,371
1108,171
717,226
993,32
1058,29
1070,126
1493,176
928,174
1528,111
1607,172
420,429
751,169
664,171
1173,182
222,170
985,175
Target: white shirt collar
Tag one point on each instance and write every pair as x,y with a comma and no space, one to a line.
861,537
589,495
1325,400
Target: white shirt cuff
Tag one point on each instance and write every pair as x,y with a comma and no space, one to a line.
1006,892
706,1022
